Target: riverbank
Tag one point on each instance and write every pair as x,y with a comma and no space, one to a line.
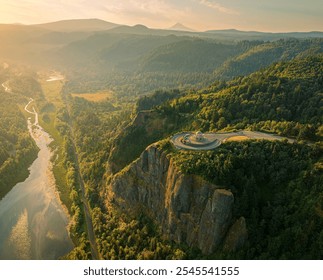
50,122
33,210
35,130
20,170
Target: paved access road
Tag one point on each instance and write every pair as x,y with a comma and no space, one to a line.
216,139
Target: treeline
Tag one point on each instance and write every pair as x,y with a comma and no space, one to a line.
17,148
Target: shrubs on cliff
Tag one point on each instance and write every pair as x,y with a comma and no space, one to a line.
235,163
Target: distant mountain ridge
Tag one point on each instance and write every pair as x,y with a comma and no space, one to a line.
230,33
178,29
94,24
78,25
150,58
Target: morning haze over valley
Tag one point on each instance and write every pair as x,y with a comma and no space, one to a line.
161,130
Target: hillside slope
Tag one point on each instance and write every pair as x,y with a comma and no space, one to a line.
285,98
274,188
265,54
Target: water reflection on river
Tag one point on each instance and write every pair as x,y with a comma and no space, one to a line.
33,223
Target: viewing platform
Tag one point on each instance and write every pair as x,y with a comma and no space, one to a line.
195,141
198,141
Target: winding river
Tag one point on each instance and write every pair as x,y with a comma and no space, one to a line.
33,222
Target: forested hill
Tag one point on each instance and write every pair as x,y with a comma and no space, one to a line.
142,53
265,54
277,186
191,56
146,63
285,92
285,98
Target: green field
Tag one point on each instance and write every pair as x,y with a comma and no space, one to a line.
95,97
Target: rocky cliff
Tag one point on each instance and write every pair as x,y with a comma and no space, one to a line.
187,208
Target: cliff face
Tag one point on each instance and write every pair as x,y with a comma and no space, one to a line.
187,208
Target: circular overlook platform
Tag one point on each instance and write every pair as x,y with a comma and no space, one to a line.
199,141
195,141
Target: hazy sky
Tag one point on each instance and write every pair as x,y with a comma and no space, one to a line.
269,15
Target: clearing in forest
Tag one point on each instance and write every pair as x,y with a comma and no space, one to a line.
95,97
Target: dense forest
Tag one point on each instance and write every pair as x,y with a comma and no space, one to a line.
184,63
264,54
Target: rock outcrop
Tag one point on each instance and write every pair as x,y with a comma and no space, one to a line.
187,208
236,236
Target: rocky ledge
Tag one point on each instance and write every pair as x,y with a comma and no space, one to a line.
187,208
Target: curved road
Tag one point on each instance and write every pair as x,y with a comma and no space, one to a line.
216,139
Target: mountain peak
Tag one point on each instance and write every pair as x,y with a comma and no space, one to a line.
140,26
180,27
